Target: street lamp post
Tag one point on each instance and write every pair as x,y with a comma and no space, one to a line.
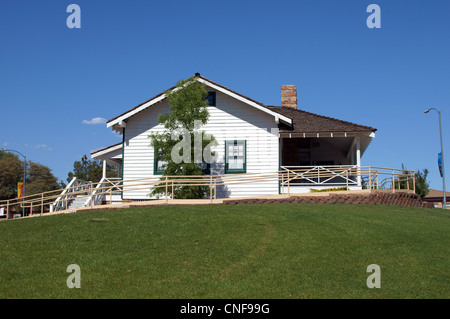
442,156
24,177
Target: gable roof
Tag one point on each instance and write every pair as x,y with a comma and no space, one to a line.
306,122
160,97
291,121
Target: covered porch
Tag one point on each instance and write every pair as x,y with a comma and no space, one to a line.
319,152
111,155
322,160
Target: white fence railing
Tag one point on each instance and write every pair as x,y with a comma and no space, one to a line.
321,175
72,190
366,177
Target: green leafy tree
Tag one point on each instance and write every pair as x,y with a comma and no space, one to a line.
182,124
39,178
90,170
422,185
11,172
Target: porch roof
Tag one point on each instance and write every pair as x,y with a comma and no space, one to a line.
110,152
306,122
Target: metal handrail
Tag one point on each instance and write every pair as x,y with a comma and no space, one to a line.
286,177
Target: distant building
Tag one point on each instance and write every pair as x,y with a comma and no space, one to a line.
436,197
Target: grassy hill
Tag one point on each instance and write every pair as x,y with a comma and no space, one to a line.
225,251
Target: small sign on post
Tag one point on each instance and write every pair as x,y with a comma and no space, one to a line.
19,190
440,163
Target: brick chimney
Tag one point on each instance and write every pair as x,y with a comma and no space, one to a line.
289,96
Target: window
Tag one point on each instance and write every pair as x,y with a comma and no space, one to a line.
159,166
211,98
235,157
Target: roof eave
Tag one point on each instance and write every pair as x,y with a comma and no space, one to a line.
100,153
277,116
124,116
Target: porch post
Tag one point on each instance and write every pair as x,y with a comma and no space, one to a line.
104,169
358,159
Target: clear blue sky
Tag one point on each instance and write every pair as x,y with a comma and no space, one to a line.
52,78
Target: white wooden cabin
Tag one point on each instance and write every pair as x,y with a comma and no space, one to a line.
252,138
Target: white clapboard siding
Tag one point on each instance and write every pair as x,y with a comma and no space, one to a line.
230,119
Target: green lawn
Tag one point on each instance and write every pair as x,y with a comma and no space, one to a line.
227,251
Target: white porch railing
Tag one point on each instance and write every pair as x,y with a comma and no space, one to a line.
75,188
366,177
342,175
106,187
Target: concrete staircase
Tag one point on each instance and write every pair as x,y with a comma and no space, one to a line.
78,202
